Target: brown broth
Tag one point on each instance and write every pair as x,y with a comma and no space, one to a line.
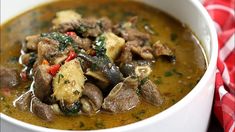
174,80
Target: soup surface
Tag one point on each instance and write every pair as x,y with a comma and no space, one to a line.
174,79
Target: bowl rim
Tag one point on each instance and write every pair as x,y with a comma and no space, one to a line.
160,116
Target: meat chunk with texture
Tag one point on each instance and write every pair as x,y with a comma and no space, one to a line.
47,49
132,48
87,27
150,93
122,97
144,52
92,98
125,55
32,42
23,102
42,110
105,24
131,34
83,43
9,77
42,86
160,49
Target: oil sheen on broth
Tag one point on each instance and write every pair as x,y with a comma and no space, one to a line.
174,80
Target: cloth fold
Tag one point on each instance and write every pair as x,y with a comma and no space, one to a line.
223,14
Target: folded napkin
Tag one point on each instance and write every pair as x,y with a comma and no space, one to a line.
223,14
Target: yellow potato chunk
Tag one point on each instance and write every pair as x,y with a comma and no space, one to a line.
69,82
65,16
113,45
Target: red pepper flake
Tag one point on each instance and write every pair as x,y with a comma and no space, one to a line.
23,76
71,34
54,69
71,56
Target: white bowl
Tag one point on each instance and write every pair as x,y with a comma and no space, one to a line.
190,114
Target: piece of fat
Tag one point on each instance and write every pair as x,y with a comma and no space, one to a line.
65,16
113,45
68,83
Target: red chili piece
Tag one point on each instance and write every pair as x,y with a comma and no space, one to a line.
54,69
71,56
71,34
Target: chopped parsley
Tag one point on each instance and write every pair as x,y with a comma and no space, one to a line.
168,73
158,80
60,76
100,46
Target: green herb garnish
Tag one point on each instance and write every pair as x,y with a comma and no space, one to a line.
60,76
158,80
168,73
100,46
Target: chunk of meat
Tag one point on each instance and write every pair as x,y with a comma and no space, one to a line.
160,49
132,48
42,86
23,102
87,27
131,34
94,98
42,110
126,55
32,42
105,24
122,97
83,43
144,52
47,49
131,23
150,93
9,77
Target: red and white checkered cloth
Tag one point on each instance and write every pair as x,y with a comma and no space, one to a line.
223,14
